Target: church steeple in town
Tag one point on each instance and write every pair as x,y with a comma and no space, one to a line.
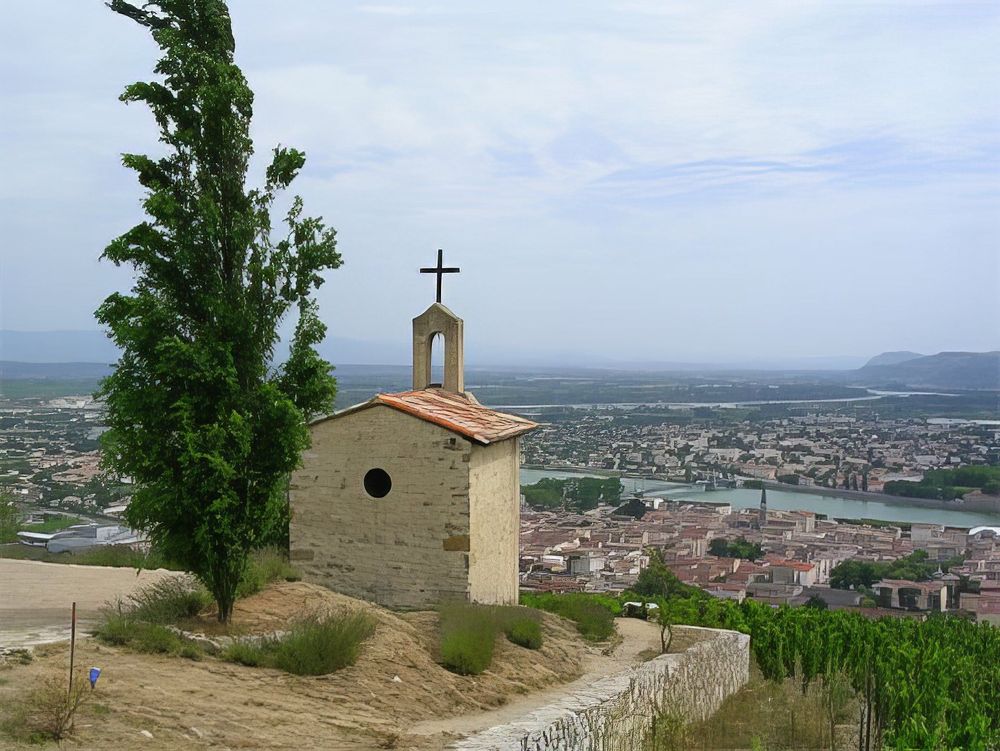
762,514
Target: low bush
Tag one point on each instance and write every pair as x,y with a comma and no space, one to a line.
525,632
168,601
123,631
314,646
264,566
46,712
520,625
116,627
321,646
593,614
468,634
140,621
246,652
156,639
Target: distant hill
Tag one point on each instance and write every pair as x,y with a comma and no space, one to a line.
57,347
945,370
892,358
52,371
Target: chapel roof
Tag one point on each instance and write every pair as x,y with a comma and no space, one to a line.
456,412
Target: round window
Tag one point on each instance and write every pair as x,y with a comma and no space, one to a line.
377,483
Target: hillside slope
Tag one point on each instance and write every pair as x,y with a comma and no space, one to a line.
945,370
892,358
395,684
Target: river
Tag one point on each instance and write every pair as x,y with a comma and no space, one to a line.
871,395
790,500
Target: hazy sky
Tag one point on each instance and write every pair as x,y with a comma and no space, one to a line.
650,181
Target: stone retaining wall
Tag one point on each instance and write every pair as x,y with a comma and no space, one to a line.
616,712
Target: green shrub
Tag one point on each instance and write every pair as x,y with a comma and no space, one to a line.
318,647
525,632
264,566
314,646
47,711
168,601
469,650
115,628
245,652
468,633
156,639
593,614
140,622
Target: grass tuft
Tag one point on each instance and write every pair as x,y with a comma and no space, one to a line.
468,633
264,566
140,622
314,646
593,616
168,601
525,632
46,712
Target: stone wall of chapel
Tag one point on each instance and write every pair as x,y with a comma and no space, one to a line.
494,503
407,550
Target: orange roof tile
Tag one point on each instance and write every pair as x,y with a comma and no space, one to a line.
456,412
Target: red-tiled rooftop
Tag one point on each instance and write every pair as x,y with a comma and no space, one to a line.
454,412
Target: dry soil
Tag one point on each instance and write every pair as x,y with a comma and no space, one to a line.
395,696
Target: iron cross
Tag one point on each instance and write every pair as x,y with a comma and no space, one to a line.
439,270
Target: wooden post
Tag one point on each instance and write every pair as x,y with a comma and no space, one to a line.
72,648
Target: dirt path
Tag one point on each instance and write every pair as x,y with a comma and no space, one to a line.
637,639
36,598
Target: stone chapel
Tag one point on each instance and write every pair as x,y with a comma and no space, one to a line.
413,498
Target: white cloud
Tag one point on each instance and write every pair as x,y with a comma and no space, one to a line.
710,152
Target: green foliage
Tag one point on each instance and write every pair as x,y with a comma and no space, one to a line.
766,715
120,630
313,646
263,567
579,494
322,646
739,548
246,652
913,567
525,631
816,602
198,411
468,634
593,614
656,580
47,711
167,601
924,684
633,507
948,484
141,621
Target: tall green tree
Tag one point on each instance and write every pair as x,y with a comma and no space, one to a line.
199,413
